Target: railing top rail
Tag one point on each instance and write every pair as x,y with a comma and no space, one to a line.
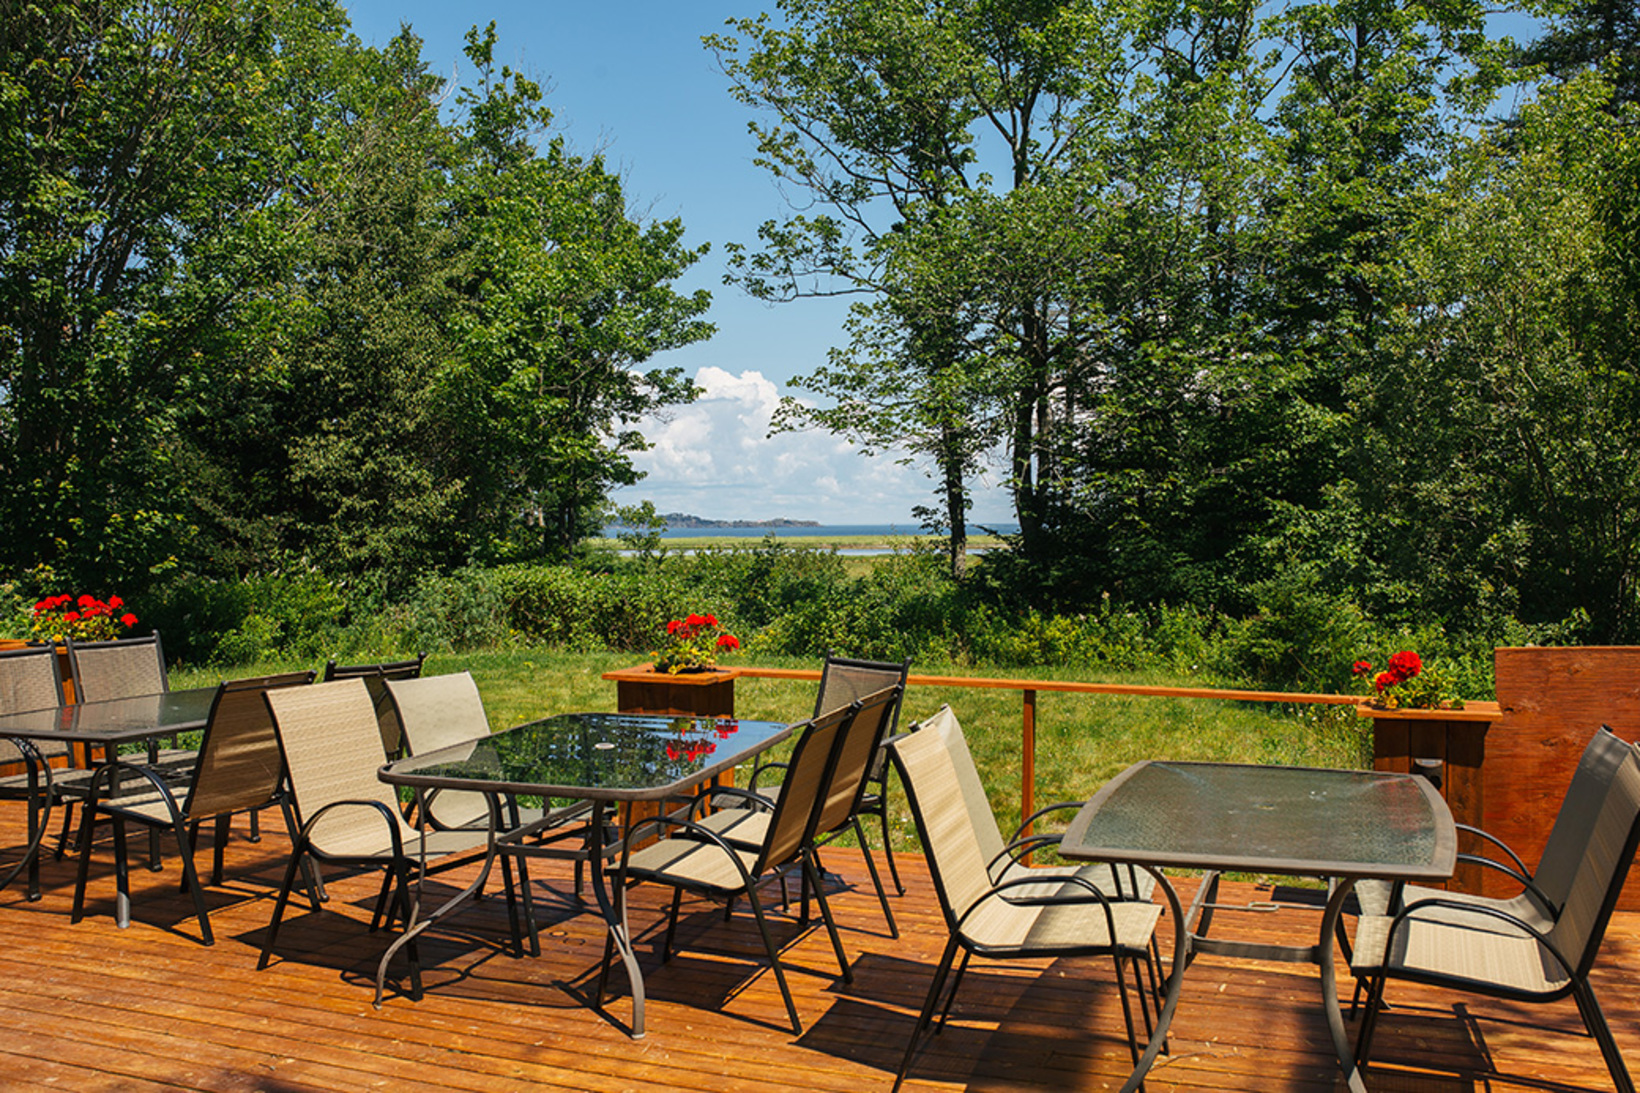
1077,687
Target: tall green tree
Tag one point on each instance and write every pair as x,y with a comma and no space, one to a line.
142,173
567,294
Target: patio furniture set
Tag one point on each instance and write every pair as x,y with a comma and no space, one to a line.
338,756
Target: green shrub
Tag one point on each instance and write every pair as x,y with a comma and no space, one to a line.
461,612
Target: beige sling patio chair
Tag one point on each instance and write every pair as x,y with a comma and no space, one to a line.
839,813
125,668
695,859
441,711
30,680
1540,950
331,743
1019,917
376,678
844,680
238,770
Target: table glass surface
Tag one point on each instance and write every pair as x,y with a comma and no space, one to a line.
1291,821
115,721
593,755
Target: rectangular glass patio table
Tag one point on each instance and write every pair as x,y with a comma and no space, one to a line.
104,725
604,758
1343,825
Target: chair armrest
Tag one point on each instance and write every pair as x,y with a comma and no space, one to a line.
757,772
1020,847
1520,866
1041,812
1520,878
710,796
388,816
1486,911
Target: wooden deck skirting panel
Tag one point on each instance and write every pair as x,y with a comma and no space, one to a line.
92,1007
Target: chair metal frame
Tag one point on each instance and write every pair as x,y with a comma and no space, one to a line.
31,678
693,857
238,770
1567,940
917,755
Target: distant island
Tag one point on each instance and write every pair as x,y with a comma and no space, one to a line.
684,520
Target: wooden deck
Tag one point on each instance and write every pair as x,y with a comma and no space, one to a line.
92,1007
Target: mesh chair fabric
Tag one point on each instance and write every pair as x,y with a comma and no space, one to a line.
29,680
118,669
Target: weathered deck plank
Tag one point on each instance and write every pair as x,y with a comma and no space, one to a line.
93,1007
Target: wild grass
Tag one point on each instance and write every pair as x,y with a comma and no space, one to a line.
1081,740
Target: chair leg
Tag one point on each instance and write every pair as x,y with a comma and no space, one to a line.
224,829
671,926
934,989
876,880
1595,1022
825,916
87,821
383,914
962,969
1127,1007
256,826
400,873
298,853
1369,1020
888,848
62,836
190,880
774,958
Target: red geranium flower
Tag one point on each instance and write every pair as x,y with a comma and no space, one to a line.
728,641
1406,664
1361,668
128,619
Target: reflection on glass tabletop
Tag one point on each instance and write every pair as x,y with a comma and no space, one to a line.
604,755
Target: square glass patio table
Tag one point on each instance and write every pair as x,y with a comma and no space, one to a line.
1344,825
1291,821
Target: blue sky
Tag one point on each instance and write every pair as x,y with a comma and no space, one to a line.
631,80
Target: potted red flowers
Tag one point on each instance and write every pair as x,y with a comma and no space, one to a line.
693,644
1406,684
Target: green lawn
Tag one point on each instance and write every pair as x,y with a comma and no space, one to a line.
1081,740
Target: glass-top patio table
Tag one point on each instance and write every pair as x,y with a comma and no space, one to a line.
604,758
105,725
1344,825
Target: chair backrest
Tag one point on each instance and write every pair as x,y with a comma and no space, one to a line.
375,678
30,680
843,680
945,821
1603,861
945,726
856,750
437,711
239,766
797,807
332,749
1579,811
122,668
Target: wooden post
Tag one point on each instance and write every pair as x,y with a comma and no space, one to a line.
1027,773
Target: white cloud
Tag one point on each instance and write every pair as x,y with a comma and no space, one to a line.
714,458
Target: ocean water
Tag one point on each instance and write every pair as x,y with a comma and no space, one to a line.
808,532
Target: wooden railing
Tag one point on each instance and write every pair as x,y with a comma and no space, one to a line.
1030,687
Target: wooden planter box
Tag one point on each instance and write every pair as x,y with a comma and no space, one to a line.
700,694
1456,740
689,694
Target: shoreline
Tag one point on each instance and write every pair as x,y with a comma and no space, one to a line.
818,542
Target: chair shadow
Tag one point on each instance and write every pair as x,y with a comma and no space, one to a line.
1004,1032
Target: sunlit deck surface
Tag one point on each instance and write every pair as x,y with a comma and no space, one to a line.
95,1007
